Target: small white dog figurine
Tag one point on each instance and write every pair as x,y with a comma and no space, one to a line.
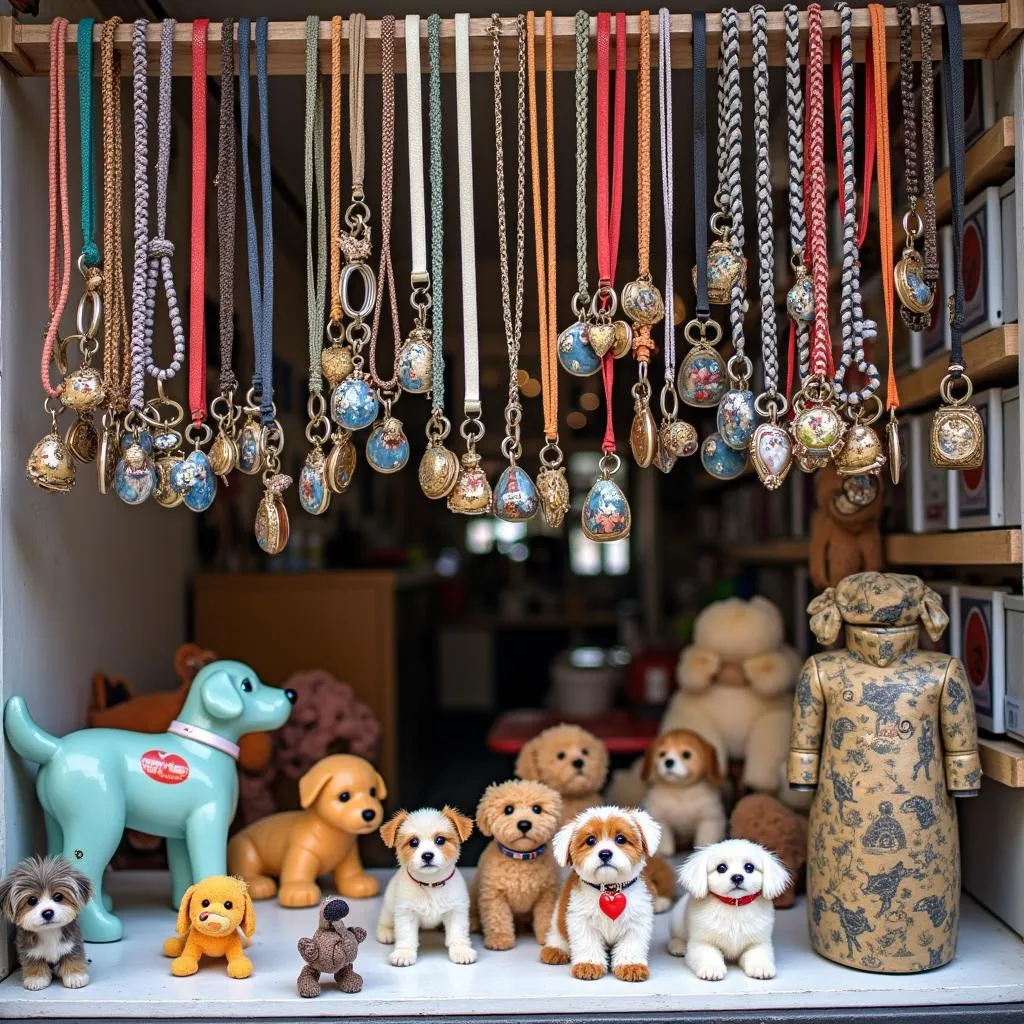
606,905
727,912
427,891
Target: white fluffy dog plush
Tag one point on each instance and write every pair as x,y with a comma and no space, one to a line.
606,907
727,912
427,890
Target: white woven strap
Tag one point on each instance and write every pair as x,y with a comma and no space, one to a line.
414,104
470,339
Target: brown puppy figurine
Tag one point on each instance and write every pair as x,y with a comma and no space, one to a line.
341,798
846,534
331,950
570,760
765,820
517,877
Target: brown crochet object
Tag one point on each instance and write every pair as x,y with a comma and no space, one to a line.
327,718
331,950
846,536
764,819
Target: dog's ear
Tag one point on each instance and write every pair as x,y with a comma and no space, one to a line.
184,919
774,876
693,873
7,907
82,884
389,830
528,761
219,696
485,813
248,922
462,825
313,781
649,829
561,846
647,768
713,770
382,789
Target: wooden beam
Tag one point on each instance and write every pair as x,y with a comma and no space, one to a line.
988,30
963,547
1003,761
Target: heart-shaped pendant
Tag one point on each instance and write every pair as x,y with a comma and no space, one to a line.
515,497
193,478
314,494
354,403
387,447
771,452
575,355
606,515
602,337
665,460
336,363
612,904
736,418
415,362
721,461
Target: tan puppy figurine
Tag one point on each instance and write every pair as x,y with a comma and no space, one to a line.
570,760
341,799
517,877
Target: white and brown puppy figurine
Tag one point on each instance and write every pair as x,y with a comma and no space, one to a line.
43,897
727,912
606,906
427,890
684,790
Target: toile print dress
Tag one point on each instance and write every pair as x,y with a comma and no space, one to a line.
886,733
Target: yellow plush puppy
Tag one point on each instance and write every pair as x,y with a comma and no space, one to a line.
211,913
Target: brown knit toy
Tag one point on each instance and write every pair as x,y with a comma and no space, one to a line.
846,532
766,820
331,950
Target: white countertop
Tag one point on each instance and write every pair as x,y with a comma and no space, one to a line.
132,979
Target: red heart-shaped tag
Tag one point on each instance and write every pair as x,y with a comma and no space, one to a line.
612,904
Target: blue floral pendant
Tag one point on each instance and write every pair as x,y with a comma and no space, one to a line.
737,420
702,378
194,479
354,403
721,461
575,354
415,362
606,515
387,448
515,496
250,454
314,494
135,476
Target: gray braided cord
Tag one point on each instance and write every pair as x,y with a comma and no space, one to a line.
160,250
795,138
140,85
731,120
765,225
582,128
854,330
667,181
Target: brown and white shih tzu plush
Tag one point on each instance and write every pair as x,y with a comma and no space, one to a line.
42,897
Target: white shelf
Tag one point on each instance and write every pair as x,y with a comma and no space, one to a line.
131,978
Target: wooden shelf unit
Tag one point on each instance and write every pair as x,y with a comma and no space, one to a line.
988,29
1003,761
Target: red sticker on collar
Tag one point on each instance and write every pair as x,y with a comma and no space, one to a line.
163,767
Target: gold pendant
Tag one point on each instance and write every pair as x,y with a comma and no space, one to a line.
726,270
914,292
106,458
606,515
677,439
553,491
164,494
471,495
623,344
82,438
50,464
957,438
892,434
602,337
439,469
643,435
771,452
341,462
861,452
336,363
642,302
82,390
817,429
223,453
272,528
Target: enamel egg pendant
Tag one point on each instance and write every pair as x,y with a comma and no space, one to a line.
771,452
736,418
415,362
800,298
818,432
515,497
250,448
721,461
606,514
354,403
135,477
702,378
387,447
575,354
314,494
193,478
82,390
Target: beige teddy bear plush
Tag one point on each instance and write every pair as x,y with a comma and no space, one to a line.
736,682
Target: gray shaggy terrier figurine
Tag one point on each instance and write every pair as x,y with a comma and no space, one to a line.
331,950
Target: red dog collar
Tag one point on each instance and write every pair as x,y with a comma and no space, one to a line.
432,885
737,901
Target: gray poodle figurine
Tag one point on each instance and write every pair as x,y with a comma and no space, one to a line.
331,950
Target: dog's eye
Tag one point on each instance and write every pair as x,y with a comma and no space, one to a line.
373,792
345,797
749,868
537,809
439,841
621,839
722,868
228,904
58,897
414,843
509,809
687,754
206,903
561,755
32,901
585,752
591,840
246,686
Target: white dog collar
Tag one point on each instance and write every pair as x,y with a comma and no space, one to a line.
204,736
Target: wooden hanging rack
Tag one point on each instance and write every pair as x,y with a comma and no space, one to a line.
989,29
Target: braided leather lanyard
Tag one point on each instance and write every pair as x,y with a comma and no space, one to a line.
438,419
197,296
226,198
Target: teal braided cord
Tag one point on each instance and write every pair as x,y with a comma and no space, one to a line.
436,213
316,277
582,100
83,43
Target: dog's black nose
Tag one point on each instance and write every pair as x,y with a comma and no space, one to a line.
736,880
336,910
524,825
578,763
47,914
605,855
369,814
427,856
291,695
669,761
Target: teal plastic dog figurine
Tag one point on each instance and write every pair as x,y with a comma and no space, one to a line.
183,785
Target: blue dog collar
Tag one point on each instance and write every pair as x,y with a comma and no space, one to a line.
517,855
204,736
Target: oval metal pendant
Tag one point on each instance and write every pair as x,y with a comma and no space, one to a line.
642,302
721,461
336,363
575,355
737,419
623,343
702,378
250,452
771,452
818,433
354,404
82,390
223,454
553,494
515,497
957,438
341,462
272,527
51,465
314,494
82,439
914,292
106,460
415,362
643,436
471,495
387,447
606,515
193,478
438,471
135,478
677,439
896,454
164,493
800,299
